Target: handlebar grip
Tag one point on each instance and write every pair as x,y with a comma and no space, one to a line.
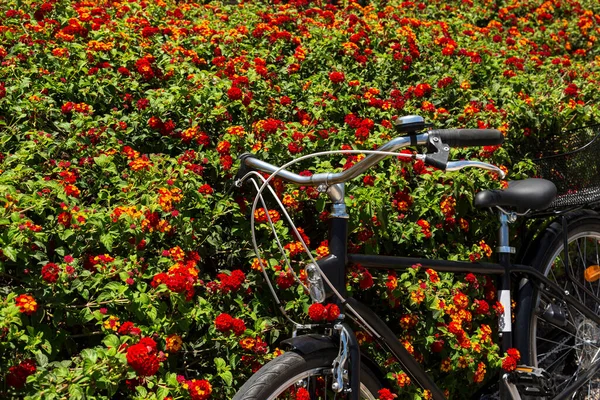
469,137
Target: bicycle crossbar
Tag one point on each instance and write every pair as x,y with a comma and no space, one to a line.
390,262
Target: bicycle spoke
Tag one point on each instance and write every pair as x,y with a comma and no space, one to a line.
567,351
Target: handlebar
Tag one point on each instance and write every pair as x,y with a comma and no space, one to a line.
452,137
469,137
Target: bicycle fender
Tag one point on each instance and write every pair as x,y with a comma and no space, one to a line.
307,344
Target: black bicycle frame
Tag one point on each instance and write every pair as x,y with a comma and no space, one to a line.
335,264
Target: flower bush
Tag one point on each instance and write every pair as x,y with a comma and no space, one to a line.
125,263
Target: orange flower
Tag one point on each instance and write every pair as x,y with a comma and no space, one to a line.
402,379
256,264
95,45
446,366
322,251
27,304
177,253
173,343
417,296
140,164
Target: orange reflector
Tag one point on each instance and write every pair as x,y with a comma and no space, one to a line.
524,369
592,273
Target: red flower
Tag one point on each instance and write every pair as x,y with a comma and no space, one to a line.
437,346
366,280
226,162
369,180
199,389
572,90
472,279
422,89
17,374
224,322
64,219
155,123
50,272
302,394
129,329
234,93
158,279
285,280
295,148
233,282
142,104
142,357
514,353
144,67
444,82
205,189
149,31
317,312
223,147
238,326
337,77
481,307
179,281
67,107
386,394
509,364
333,312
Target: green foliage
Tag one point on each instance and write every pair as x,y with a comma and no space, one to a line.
120,125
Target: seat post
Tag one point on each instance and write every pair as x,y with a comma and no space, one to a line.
503,234
504,251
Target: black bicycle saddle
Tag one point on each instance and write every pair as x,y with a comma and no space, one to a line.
528,194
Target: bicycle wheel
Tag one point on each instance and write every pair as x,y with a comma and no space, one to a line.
292,372
563,341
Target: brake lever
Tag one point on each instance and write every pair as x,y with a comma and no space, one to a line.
458,165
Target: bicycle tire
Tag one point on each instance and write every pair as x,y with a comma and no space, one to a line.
563,351
284,372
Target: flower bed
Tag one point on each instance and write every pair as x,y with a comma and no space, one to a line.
125,263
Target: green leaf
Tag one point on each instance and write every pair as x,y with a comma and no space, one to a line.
162,392
107,240
111,341
41,359
103,160
66,234
10,252
227,377
75,391
220,363
172,379
89,354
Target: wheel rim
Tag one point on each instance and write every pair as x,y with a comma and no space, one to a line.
311,378
567,351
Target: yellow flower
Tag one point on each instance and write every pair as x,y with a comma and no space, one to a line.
173,343
112,323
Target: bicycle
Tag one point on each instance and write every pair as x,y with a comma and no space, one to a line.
558,309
